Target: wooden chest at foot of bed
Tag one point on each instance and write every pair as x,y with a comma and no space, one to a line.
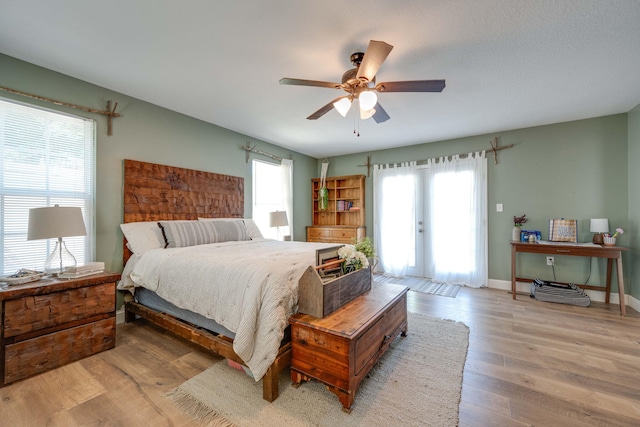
339,350
320,299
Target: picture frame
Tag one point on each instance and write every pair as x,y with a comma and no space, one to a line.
323,256
563,230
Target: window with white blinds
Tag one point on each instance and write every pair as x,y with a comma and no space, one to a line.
46,158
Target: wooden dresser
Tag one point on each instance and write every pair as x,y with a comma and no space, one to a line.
49,323
340,349
343,219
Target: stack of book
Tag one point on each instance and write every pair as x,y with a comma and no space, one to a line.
82,270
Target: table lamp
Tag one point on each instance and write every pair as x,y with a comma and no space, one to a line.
56,222
599,226
278,219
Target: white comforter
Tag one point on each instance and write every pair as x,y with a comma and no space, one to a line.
249,287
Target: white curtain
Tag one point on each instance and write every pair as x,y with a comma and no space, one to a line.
287,194
394,216
456,220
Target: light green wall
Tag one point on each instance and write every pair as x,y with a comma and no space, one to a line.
571,170
634,202
149,133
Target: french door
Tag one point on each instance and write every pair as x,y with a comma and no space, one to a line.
450,223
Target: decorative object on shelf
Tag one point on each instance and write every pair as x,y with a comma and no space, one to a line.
56,222
517,224
278,219
563,230
610,240
323,192
22,276
599,226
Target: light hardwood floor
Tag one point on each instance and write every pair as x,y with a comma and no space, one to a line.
529,364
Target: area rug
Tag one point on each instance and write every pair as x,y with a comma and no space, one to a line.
419,284
417,382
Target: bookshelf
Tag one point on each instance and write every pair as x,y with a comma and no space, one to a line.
343,220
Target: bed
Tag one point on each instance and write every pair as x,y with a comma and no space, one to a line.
201,271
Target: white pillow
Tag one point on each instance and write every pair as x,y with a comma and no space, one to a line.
142,236
252,227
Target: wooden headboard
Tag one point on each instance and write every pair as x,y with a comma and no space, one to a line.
154,192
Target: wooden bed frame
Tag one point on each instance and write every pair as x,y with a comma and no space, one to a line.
155,192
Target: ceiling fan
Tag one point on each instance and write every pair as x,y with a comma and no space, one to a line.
360,84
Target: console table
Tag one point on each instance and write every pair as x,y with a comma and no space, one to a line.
609,252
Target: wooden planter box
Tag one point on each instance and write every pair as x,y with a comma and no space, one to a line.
320,299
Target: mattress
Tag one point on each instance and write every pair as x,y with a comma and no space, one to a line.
152,300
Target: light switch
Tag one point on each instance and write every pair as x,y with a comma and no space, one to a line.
499,207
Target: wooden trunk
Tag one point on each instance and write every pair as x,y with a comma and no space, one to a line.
320,299
340,349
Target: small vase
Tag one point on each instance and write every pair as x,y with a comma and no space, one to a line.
609,241
515,233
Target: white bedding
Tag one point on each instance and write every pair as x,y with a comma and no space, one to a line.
249,287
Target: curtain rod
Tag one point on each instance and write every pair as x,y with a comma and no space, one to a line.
249,149
494,147
109,112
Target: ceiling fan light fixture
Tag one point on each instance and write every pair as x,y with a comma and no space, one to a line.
365,114
368,100
343,106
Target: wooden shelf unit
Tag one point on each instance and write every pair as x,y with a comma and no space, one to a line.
338,223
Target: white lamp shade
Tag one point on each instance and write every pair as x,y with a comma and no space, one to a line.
55,222
343,106
278,219
368,100
599,225
365,114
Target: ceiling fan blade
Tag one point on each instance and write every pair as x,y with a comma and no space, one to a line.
325,109
375,55
300,82
412,86
380,115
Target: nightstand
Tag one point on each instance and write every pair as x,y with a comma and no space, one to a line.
53,322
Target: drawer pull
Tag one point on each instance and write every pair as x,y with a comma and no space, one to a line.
564,250
384,341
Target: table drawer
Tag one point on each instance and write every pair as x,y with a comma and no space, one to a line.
378,337
348,233
318,233
36,355
37,312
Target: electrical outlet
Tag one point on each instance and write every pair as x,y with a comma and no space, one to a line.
499,207
550,260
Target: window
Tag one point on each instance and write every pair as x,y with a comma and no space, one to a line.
267,196
46,158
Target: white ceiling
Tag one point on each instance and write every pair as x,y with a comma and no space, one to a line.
508,64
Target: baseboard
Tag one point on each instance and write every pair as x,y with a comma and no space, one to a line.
120,316
596,296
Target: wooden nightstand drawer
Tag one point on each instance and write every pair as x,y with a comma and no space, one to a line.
36,355
33,313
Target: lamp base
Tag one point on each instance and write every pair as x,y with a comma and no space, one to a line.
59,259
597,239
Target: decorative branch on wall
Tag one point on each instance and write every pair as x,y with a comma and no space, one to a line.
494,147
249,149
109,112
368,165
